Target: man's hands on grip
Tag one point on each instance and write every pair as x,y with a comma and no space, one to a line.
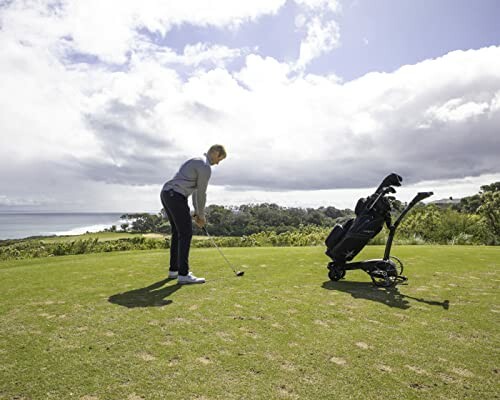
199,221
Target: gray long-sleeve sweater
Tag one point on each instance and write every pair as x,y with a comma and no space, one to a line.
192,178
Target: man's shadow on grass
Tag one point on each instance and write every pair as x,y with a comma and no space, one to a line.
149,296
389,296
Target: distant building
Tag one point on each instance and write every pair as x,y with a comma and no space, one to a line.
445,202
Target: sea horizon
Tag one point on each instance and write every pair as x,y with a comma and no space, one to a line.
28,223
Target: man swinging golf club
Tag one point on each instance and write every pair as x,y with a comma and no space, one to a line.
191,179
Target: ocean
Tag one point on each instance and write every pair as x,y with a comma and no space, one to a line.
22,225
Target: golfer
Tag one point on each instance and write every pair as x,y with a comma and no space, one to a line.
191,179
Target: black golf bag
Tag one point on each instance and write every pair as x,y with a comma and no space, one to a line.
346,240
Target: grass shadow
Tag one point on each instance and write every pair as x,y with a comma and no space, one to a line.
150,296
389,296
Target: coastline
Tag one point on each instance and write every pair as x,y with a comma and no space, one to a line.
27,225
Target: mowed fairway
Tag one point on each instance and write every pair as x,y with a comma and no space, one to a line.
109,326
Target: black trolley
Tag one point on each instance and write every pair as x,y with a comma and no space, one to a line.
345,241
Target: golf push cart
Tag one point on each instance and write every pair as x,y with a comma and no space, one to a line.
345,241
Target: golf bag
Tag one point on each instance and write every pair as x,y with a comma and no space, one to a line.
346,240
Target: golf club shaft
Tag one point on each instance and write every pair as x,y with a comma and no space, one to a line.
217,247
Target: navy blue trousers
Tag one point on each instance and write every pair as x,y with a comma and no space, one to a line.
177,209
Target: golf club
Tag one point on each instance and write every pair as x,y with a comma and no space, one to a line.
237,273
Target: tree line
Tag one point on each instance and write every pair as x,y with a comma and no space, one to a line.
474,220
244,220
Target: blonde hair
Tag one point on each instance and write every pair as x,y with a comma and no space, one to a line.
221,151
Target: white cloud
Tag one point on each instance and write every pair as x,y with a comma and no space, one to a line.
322,33
41,104
22,202
201,52
108,29
331,5
300,20
265,74
321,38
457,110
347,198
195,55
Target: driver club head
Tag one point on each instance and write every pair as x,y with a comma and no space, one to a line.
240,273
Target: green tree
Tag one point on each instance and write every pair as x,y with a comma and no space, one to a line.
422,222
490,207
469,204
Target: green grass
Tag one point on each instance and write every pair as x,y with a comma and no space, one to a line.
102,236
107,236
108,326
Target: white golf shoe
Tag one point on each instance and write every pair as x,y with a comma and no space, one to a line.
173,274
189,278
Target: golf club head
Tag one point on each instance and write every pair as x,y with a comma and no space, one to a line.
240,273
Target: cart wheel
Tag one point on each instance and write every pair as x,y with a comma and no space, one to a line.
398,263
386,276
336,274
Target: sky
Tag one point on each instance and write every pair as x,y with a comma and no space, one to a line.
316,101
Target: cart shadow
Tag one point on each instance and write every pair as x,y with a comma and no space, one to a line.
389,296
150,296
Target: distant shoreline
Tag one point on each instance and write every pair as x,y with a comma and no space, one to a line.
42,237
29,224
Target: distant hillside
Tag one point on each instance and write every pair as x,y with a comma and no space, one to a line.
445,202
